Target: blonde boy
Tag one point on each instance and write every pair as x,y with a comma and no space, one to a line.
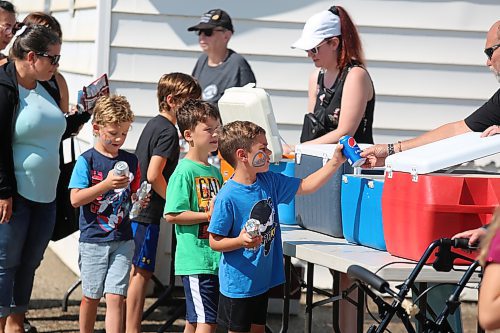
104,198
250,266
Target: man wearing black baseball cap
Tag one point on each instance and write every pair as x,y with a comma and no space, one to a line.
219,67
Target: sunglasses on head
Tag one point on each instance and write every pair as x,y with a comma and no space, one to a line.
490,50
208,32
54,59
12,30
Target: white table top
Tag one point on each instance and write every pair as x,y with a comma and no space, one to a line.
338,254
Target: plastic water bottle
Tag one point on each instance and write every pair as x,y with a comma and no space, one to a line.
142,192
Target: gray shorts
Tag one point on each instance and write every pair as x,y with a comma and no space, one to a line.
105,267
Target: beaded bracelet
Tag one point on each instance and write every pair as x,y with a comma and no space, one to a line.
390,149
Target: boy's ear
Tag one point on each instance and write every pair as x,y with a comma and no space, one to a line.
241,155
170,101
95,129
187,136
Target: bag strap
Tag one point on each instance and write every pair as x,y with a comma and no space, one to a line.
73,158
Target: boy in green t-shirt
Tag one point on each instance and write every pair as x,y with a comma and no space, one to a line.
190,190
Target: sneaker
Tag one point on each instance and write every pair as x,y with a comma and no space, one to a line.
28,328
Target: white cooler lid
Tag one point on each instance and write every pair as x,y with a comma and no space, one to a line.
318,150
444,153
252,104
324,151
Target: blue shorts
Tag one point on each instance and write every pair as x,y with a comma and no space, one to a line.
105,267
146,245
202,298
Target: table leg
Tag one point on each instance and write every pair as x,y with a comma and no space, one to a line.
309,297
360,310
336,305
286,295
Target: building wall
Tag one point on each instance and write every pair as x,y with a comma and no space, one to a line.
425,57
428,68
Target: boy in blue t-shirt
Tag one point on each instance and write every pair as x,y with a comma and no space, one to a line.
106,245
250,266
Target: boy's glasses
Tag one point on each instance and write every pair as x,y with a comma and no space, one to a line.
208,32
54,59
315,50
490,50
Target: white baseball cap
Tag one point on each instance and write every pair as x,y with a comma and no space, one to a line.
318,27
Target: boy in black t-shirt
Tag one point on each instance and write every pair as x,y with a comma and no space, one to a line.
158,152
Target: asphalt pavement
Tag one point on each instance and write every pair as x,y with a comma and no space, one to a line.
53,279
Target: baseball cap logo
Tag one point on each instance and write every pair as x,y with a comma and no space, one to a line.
351,142
215,17
205,18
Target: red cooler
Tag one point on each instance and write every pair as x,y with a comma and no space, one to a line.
420,205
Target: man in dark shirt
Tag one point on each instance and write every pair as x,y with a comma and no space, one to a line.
486,119
219,67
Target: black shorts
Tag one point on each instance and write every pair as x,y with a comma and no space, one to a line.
238,314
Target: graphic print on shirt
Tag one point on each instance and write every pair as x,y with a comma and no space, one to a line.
209,92
263,211
111,207
206,189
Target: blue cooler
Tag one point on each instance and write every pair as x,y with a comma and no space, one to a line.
361,202
286,212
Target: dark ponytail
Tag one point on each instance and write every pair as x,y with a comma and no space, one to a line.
36,38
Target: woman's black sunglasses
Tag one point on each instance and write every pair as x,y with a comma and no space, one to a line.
54,59
490,50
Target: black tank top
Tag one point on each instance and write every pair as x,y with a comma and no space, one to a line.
329,99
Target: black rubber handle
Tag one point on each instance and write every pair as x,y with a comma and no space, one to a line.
461,243
362,274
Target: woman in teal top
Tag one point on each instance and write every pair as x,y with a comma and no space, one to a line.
31,126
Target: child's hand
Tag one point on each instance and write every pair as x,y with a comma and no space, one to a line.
115,182
145,202
338,158
210,208
249,242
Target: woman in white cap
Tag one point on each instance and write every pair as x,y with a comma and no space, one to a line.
341,93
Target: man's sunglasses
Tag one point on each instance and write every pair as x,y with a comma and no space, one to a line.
54,59
208,32
490,50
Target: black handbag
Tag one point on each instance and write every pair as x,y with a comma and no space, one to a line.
312,128
324,119
66,214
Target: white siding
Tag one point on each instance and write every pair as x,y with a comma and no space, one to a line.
428,68
422,62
